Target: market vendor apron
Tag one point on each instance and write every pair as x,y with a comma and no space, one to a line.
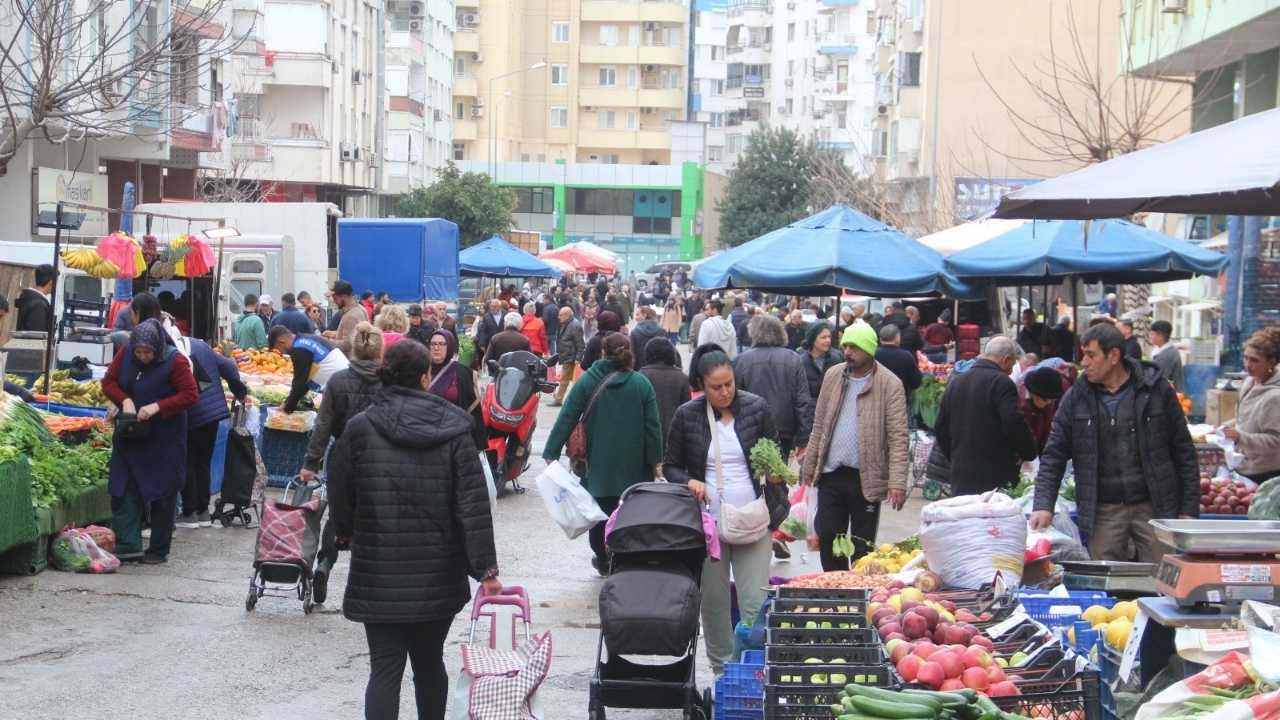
158,462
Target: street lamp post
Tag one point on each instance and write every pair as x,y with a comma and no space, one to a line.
493,125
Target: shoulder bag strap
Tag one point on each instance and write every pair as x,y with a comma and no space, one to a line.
715,449
591,404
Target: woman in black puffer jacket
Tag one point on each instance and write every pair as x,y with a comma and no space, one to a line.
409,497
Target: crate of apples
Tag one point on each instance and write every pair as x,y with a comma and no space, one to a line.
1224,496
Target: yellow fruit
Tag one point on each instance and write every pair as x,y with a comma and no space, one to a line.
913,594
1071,635
1127,609
1096,614
1117,633
886,548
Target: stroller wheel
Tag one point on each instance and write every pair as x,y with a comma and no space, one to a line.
932,490
251,600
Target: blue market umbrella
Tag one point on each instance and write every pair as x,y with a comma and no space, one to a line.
496,257
833,251
1112,251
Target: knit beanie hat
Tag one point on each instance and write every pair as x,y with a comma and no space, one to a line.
861,335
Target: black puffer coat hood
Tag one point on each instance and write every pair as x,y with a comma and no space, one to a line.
406,486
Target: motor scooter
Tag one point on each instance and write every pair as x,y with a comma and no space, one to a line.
510,413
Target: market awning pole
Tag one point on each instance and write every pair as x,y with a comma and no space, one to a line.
1075,322
216,301
49,356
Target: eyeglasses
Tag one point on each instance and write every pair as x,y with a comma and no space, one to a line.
439,345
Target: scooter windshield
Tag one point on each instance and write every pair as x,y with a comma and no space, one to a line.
515,380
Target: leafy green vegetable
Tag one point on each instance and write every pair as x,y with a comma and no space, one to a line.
926,401
58,471
767,460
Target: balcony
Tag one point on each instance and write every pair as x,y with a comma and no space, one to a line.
302,160
837,43
192,128
645,138
609,97
622,11
662,55
465,129
742,117
249,142
405,40
466,40
302,69
465,87
400,103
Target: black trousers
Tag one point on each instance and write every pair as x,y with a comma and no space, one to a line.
596,534
389,645
843,508
195,493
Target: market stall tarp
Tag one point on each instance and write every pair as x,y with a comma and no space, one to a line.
1231,169
964,236
496,257
579,260
824,254
1115,251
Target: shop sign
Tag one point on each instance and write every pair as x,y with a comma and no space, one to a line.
977,196
86,188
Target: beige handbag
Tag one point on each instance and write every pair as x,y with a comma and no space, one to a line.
737,525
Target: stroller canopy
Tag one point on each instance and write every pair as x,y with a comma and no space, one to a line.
657,517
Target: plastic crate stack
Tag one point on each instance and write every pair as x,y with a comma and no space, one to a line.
818,641
1057,612
740,691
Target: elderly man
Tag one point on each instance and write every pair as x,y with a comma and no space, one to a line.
900,362
490,324
980,429
857,452
795,329
1108,305
571,346
509,340
1122,428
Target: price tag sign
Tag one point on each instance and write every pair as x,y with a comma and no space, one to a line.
1002,628
1127,660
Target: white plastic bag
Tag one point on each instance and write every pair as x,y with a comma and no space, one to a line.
570,505
970,539
488,480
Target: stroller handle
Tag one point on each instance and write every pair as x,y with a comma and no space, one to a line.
510,595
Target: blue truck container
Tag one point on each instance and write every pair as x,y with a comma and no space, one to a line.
413,259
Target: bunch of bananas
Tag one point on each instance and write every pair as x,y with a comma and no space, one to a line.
88,260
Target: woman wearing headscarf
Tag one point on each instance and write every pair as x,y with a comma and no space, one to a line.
535,329
606,322
151,380
669,383
452,381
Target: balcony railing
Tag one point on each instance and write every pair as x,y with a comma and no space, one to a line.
738,8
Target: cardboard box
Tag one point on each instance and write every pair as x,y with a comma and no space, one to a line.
1220,406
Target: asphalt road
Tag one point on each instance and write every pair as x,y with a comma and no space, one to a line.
175,640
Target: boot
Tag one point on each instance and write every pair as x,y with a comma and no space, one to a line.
320,580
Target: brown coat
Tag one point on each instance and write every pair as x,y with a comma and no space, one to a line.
882,431
352,315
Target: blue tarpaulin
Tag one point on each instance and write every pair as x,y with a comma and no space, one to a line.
496,257
833,251
1112,251
413,259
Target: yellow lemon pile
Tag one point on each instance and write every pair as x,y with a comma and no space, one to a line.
1115,624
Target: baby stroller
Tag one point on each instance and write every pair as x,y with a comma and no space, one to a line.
649,604
288,538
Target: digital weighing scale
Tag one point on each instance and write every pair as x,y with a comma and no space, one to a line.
1218,563
1110,576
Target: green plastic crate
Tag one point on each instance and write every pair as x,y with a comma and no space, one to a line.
17,518
27,559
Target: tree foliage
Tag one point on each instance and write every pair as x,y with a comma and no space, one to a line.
769,188
480,208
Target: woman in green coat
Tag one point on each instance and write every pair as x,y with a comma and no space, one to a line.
624,435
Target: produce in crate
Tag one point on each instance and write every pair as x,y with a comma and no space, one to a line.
1225,496
1115,624
887,558
263,362
58,471
858,702
64,390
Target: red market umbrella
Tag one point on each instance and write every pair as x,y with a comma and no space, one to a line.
579,260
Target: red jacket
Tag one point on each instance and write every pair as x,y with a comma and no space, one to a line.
536,331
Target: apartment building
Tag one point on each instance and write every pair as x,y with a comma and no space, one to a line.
419,89
307,122
942,138
583,81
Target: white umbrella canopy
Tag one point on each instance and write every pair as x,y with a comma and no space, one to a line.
1231,169
966,235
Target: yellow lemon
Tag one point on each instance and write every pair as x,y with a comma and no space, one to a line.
1071,635
1118,633
1127,609
1096,614
886,548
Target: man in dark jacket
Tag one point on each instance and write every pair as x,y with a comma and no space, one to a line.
739,317
420,328
796,328
1132,346
1122,428
693,306
210,370
490,324
1062,340
571,346
979,428
509,340
645,330
899,361
292,317
1034,336
35,312
551,320
910,334
777,374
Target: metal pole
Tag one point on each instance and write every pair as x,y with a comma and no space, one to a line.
216,301
1075,317
50,357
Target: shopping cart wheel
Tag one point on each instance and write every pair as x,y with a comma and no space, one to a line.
251,600
932,490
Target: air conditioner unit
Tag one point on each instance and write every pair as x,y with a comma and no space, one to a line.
470,20
650,68
349,152
415,9
415,26
355,77
588,108
651,26
882,110
479,102
593,158
1173,6
477,57
477,111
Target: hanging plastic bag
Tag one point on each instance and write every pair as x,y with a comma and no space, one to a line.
570,505
811,501
796,525
488,480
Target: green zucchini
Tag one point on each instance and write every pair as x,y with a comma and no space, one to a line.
893,697
883,709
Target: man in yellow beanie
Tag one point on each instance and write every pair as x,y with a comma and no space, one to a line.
857,453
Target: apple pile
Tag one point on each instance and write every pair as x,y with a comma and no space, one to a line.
1224,496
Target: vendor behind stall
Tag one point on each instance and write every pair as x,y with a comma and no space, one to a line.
152,381
315,360
1123,429
1256,428
35,309
1038,398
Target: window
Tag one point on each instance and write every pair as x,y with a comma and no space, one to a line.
605,119
671,79
610,159
717,88
609,35
673,37
608,76
735,143
791,32
559,32
717,52
633,77
240,288
559,117
459,111
584,201
717,119
459,151
790,69
539,200
633,120
459,66
909,68
715,153
559,74
790,106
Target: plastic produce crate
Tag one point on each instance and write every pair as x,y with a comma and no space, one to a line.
282,453
1059,611
804,636
788,591
799,703
17,519
821,675
840,654
822,621
1079,698
27,559
739,692
814,605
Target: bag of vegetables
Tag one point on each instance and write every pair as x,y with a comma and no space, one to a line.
74,550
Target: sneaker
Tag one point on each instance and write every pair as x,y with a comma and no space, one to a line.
149,559
204,519
602,568
189,522
127,557
320,582
146,533
781,551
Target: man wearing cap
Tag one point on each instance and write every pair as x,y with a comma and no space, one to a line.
1038,397
857,452
979,428
350,314
266,311
421,328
